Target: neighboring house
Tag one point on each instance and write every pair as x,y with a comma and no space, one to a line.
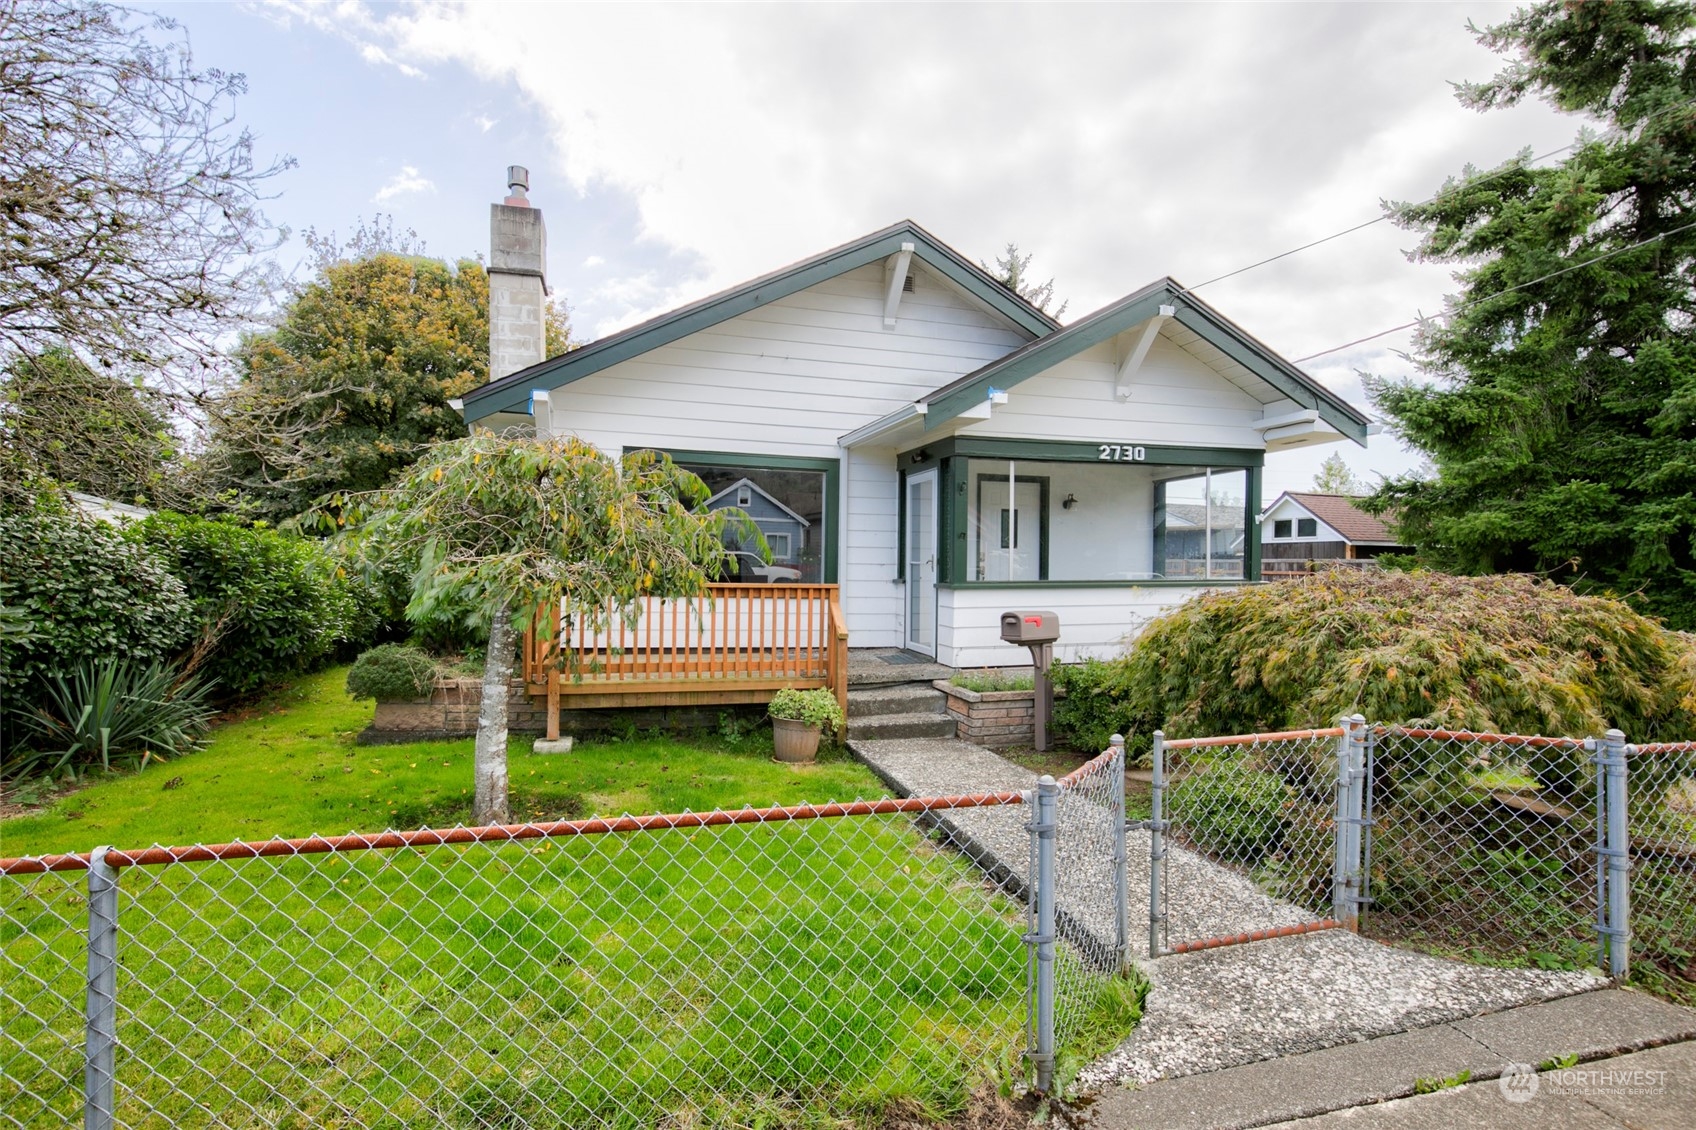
793,555
108,510
1300,527
943,450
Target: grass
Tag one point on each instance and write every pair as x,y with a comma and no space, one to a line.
804,973
989,680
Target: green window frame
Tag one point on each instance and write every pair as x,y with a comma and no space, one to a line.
832,468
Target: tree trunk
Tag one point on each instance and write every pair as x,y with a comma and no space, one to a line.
489,805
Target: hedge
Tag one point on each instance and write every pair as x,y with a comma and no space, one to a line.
270,603
1506,653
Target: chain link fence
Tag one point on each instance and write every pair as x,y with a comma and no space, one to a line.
1246,837
1485,846
1498,848
762,966
1662,826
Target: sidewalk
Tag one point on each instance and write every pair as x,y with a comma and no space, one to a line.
1372,1083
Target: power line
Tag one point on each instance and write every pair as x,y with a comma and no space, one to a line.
1432,199
1505,290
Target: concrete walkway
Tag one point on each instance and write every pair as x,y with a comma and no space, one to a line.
1217,1010
1373,1083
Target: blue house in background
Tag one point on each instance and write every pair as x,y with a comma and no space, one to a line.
785,531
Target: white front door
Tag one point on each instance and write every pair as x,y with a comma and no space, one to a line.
1010,530
921,562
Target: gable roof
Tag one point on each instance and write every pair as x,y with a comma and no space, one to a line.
1133,310
512,393
752,485
1340,513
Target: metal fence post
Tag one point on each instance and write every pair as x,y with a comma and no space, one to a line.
1043,828
1157,848
100,1015
1351,791
1121,860
1615,854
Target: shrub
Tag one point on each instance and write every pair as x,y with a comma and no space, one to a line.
113,712
815,708
268,605
1232,811
1095,706
392,672
1505,653
78,591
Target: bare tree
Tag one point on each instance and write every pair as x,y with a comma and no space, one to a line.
130,220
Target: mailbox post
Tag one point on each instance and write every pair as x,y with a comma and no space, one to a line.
1037,631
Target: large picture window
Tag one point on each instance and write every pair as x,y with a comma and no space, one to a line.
789,505
1076,521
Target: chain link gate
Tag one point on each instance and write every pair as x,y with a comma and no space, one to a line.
1482,846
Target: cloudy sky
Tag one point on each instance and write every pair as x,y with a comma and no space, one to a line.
676,150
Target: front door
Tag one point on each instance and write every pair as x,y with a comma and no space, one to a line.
1010,530
921,562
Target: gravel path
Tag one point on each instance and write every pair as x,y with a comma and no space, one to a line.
1218,1008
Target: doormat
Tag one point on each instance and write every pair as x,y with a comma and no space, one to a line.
902,658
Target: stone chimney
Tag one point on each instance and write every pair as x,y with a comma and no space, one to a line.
518,286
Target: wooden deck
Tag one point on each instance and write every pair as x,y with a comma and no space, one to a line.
739,644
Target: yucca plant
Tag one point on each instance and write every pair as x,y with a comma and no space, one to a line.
114,712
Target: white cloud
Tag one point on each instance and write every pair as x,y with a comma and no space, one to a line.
486,123
1116,143
594,261
404,183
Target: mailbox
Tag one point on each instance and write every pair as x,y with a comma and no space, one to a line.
1037,631
1029,627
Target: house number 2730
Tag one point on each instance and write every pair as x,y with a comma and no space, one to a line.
1122,453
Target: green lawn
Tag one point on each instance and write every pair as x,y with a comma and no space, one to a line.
792,974
291,769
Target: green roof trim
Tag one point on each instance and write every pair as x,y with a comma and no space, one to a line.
512,393
1207,323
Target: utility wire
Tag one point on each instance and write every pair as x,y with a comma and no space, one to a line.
1505,290
1432,199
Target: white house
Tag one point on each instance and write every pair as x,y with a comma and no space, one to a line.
954,451
1303,526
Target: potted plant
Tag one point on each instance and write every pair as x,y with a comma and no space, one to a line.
798,718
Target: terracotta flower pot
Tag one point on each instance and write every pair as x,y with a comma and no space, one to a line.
794,741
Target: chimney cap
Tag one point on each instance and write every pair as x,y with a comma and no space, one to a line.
518,178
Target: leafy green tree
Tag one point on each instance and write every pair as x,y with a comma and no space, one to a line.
87,430
509,525
1558,396
1334,477
1011,270
354,382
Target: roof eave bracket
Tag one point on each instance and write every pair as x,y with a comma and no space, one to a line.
1132,361
895,270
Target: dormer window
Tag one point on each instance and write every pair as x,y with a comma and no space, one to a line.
744,497
1307,527
1281,528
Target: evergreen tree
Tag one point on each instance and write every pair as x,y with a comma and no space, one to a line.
1334,477
1010,270
1558,404
353,384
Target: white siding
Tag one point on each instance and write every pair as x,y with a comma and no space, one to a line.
788,379
1175,400
1291,509
1094,622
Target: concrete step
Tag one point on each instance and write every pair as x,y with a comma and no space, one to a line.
916,725
898,698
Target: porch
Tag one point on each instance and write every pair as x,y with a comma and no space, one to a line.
741,643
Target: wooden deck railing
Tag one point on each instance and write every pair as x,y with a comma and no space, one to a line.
740,643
